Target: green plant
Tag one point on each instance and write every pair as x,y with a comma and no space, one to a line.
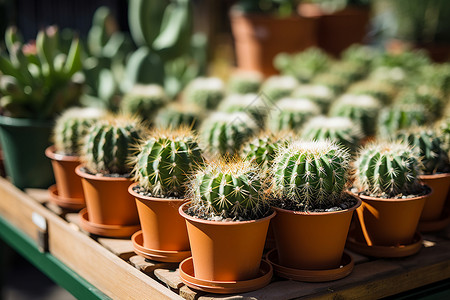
291,114
331,6
348,70
164,161
430,148
383,91
252,104
144,100
333,81
362,109
109,144
406,61
277,87
360,54
233,189
431,98
338,129
436,76
39,80
281,8
443,127
205,92
71,127
401,116
244,83
387,169
310,174
176,115
320,94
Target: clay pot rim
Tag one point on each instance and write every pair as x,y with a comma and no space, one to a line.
365,197
67,203
434,176
148,198
88,176
232,223
50,153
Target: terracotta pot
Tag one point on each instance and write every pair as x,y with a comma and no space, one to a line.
311,240
226,251
162,226
107,199
440,185
388,222
67,182
259,38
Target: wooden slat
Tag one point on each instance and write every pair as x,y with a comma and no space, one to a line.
170,277
189,294
122,248
148,266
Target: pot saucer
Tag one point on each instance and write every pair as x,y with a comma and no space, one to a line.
67,203
436,225
225,287
158,255
106,230
345,269
385,251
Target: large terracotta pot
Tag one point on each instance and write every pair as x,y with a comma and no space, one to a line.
260,37
107,199
226,251
434,206
311,240
162,226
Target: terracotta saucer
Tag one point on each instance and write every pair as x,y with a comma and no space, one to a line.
225,287
385,251
437,225
67,203
158,255
345,269
106,230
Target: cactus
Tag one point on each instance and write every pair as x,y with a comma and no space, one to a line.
144,100
223,190
253,104
338,129
360,54
320,94
431,98
401,116
430,148
277,87
205,92
224,133
176,115
387,169
291,114
436,76
333,81
164,161
383,91
71,127
443,127
109,144
244,83
348,70
310,174
362,109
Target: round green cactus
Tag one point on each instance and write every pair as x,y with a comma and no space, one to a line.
144,100
291,114
310,174
430,148
383,91
360,54
387,169
431,98
401,116
205,92
245,82
164,161
224,190
176,115
335,82
277,87
71,127
362,109
338,129
443,127
350,71
252,104
224,133
109,144
320,94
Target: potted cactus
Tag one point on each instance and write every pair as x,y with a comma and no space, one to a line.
105,176
244,82
308,180
393,198
205,92
144,101
227,220
320,94
436,174
179,114
37,82
278,87
401,116
385,92
69,130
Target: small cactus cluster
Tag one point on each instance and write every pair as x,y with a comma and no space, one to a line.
176,115
231,190
430,148
334,82
205,92
382,91
431,98
350,71
401,116
320,94
253,104
291,114
387,169
109,144
224,133
338,129
144,100
360,54
71,127
164,161
310,174
278,87
245,83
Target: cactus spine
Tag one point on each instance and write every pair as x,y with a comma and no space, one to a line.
291,114
401,116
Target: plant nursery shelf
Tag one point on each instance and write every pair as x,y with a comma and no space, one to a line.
108,268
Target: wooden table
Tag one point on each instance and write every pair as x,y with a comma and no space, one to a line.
99,268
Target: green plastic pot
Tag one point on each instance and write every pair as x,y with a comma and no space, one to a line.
24,142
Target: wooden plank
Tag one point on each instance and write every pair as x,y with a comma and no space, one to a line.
170,277
189,294
39,195
123,248
147,266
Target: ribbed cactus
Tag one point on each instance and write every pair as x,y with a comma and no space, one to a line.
228,190
431,98
144,100
360,54
244,83
255,105
177,115
224,133
387,169
164,161
320,94
109,144
444,132
401,116
362,109
338,129
277,87
429,147
348,70
333,81
310,174
291,114
71,127
205,92
383,91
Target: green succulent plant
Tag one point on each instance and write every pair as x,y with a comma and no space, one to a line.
401,116
254,105
144,101
176,115
244,83
333,81
431,98
320,94
385,92
436,76
443,127
205,92
361,54
278,87
348,70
